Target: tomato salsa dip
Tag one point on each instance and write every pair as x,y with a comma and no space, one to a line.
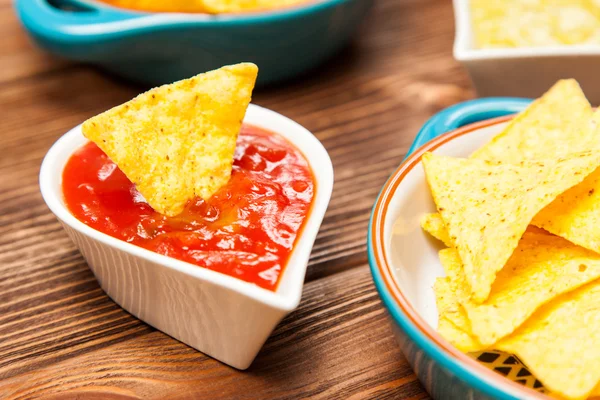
247,229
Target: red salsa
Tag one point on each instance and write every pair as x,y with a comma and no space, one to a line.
246,230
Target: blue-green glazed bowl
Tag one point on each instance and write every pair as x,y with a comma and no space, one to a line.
157,48
444,371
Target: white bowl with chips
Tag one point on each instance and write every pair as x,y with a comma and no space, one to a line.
221,316
405,264
525,71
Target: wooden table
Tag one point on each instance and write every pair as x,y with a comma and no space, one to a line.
62,337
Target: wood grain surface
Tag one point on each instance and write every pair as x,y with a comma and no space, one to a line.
61,337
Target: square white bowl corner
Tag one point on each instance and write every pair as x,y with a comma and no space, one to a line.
463,36
524,71
219,315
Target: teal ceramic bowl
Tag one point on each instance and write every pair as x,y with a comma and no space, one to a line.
157,48
404,262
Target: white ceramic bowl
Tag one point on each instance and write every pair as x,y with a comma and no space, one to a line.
224,317
523,72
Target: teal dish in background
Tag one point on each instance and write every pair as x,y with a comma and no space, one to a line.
158,48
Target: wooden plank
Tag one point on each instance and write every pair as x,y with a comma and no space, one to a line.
20,58
338,344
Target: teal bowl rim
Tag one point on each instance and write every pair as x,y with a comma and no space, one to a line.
451,122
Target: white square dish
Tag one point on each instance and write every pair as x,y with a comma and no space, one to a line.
224,317
525,71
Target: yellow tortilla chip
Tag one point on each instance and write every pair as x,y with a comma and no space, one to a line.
553,125
457,337
238,6
446,299
189,6
454,326
453,323
556,124
177,141
539,231
434,225
541,268
204,6
559,343
487,207
575,215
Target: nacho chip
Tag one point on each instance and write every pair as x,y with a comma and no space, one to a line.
542,267
457,337
556,124
238,6
177,141
559,343
453,323
434,225
446,299
189,6
487,207
575,214
204,6
539,231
